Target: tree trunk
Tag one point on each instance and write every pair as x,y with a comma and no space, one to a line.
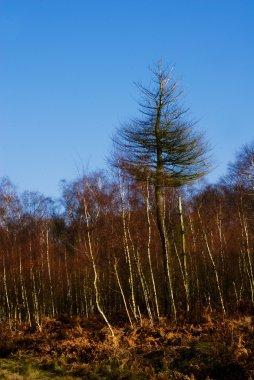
149,251
184,255
168,290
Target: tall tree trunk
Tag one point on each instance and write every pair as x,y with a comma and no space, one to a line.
95,282
24,293
127,248
149,250
184,255
246,249
6,294
122,292
49,274
213,264
169,301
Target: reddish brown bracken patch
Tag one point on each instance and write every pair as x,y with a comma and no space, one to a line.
216,349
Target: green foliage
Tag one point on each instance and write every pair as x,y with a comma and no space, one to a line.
162,144
26,368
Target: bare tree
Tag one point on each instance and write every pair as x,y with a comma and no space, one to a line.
241,171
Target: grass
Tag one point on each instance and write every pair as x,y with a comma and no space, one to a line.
17,369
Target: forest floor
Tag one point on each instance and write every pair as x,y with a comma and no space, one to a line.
78,348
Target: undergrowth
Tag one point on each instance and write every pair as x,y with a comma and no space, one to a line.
68,348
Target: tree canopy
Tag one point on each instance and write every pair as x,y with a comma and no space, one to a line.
162,144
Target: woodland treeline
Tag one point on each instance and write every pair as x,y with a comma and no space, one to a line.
101,252
141,242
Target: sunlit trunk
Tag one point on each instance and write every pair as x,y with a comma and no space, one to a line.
96,288
168,287
49,274
149,250
127,248
213,265
184,255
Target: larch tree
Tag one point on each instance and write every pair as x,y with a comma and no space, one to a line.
162,146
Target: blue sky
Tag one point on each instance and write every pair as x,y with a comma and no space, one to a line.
67,69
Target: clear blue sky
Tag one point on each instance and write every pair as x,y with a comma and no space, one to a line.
67,69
